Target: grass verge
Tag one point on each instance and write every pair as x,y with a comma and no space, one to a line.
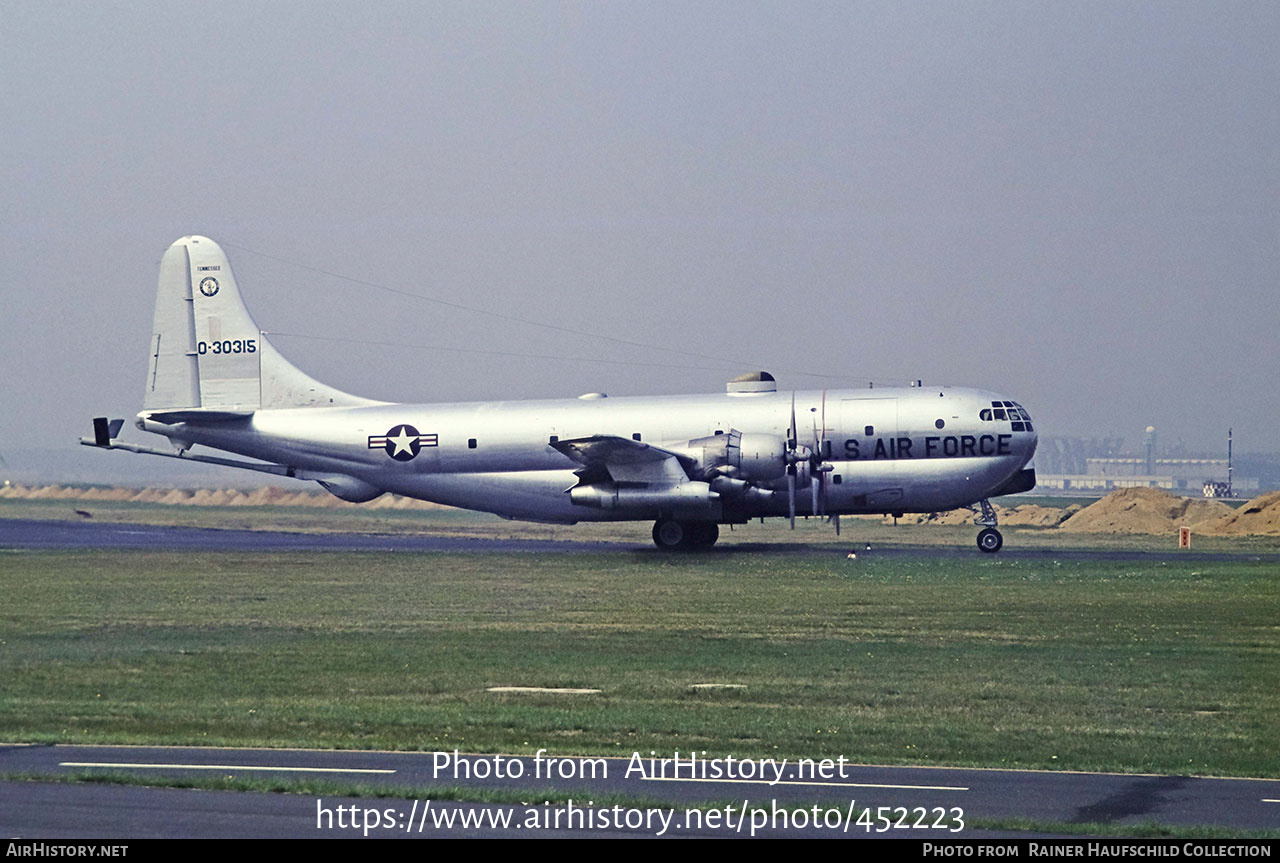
1162,666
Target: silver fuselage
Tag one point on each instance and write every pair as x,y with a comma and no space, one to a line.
889,450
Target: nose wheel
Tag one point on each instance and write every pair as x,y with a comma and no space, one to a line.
989,539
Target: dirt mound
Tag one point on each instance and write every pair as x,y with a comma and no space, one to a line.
1144,510
1259,516
264,496
1027,515
1032,515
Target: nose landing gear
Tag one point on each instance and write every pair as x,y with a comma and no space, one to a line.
989,539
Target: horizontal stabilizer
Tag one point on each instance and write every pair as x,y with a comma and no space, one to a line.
197,416
185,455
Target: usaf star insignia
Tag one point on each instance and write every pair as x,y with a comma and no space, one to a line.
402,442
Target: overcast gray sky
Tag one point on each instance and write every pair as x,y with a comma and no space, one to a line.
1075,204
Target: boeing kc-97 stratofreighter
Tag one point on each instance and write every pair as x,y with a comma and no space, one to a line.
690,463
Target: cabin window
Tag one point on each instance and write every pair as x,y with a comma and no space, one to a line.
985,414
555,438
939,424
835,480
1000,413
636,436
869,431
471,443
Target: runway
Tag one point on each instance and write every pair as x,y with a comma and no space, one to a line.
83,535
46,809
51,534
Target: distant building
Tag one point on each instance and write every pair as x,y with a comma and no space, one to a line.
1101,465
1188,475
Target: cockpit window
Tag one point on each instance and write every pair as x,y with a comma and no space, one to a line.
1011,412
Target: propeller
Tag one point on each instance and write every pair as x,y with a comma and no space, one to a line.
794,456
824,469
817,467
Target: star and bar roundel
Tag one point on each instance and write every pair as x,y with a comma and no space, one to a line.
402,442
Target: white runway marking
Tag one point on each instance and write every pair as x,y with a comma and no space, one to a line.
830,784
218,767
556,691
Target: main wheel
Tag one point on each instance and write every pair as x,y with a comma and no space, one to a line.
702,534
670,535
990,540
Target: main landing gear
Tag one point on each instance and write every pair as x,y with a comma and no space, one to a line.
672,535
989,539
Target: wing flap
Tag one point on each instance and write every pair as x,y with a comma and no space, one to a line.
625,460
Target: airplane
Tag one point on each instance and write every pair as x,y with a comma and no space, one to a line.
688,462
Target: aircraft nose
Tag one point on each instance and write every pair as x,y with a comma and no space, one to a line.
1033,437
1014,418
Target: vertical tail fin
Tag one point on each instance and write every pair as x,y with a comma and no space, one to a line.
206,350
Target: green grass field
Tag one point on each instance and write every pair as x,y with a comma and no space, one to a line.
1170,665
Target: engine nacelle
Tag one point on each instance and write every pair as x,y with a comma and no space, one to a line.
753,457
686,496
350,489
804,475
741,490
762,456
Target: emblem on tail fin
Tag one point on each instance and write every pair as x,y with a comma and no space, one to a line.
209,286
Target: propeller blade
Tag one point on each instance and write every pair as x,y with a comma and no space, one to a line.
813,489
819,453
793,435
791,494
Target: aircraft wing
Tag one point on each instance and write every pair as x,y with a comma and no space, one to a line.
626,460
